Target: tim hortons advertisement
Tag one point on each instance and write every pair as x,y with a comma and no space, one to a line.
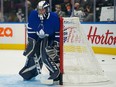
103,35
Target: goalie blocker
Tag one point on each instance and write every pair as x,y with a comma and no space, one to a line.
38,52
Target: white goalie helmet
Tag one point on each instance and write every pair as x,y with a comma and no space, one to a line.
43,8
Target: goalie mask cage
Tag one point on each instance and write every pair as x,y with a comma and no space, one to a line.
77,60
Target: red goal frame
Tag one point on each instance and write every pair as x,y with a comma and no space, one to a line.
61,51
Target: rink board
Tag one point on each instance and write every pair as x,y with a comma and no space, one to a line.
12,36
12,46
16,38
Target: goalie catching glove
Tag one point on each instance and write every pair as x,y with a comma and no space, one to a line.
53,51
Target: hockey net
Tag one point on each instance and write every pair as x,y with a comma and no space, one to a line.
79,64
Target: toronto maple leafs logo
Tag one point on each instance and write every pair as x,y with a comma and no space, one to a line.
42,34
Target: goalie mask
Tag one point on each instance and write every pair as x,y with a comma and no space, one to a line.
43,9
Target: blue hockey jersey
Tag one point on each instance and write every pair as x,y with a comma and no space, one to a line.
50,26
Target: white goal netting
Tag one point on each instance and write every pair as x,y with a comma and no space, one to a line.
80,64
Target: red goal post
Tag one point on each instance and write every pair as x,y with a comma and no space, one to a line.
61,51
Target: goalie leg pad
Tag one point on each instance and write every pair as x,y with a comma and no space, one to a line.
30,47
38,63
53,51
50,64
29,70
34,63
28,75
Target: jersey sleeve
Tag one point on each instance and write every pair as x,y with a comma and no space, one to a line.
30,26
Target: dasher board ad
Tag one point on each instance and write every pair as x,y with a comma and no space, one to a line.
12,34
102,35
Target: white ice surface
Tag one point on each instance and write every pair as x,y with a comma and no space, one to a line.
11,61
